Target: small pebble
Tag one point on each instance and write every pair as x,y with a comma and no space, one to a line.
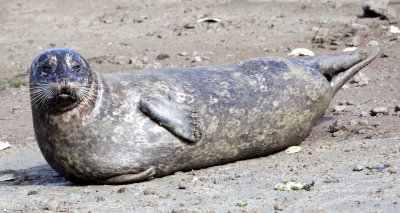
375,8
363,114
320,36
277,208
381,132
107,21
122,190
196,59
397,108
34,192
362,131
181,186
182,53
52,204
189,26
338,133
353,123
350,102
363,122
339,109
373,43
353,41
149,191
393,170
334,42
383,55
331,179
360,79
162,56
358,168
379,111
376,124
338,125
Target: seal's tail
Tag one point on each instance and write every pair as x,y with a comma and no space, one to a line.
341,68
339,79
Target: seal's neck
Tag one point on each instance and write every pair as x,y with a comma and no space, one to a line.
89,97
100,101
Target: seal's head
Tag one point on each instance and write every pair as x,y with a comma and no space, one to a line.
60,79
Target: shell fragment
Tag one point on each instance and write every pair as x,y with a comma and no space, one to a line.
301,52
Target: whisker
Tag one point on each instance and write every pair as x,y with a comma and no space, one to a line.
36,92
87,97
41,93
36,102
37,97
91,98
88,91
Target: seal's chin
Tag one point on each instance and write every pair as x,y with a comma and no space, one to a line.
64,102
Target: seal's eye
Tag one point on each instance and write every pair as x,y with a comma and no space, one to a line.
46,68
76,68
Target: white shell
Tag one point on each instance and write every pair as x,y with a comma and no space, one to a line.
394,29
349,49
289,186
301,52
293,149
4,145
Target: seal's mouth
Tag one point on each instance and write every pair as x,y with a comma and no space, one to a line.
64,101
65,97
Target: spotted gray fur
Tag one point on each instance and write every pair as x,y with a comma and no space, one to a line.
136,125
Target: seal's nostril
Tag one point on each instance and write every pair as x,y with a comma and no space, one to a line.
64,84
64,87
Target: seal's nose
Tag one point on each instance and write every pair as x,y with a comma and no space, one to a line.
64,83
64,87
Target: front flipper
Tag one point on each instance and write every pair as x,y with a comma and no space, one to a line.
178,118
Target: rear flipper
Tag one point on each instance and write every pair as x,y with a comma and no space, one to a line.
329,66
341,78
339,69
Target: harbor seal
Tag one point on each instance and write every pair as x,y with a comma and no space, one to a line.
132,126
